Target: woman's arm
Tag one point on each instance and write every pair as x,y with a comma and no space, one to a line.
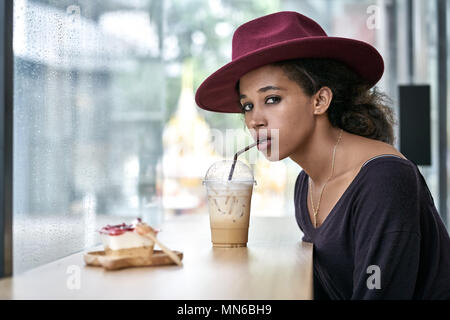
387,234
387,269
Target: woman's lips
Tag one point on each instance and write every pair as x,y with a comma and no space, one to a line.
263,144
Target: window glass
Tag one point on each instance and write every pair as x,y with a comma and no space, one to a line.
88,117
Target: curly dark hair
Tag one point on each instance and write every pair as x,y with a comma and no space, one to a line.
354,107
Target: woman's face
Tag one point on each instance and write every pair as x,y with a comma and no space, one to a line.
272,103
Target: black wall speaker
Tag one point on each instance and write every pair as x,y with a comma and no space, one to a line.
414,122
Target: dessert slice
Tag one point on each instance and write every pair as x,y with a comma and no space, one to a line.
124,240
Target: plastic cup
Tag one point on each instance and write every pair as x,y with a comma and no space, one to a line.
229,203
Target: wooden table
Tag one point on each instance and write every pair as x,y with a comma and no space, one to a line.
276,264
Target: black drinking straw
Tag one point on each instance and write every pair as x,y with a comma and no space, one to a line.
235,159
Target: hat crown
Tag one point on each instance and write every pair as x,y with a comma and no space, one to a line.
273,29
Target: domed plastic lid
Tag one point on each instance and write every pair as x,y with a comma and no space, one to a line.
220,171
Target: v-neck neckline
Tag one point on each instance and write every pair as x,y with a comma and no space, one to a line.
347,190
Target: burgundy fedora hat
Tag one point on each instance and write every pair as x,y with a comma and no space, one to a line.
282,36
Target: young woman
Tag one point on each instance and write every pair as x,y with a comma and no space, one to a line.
365,206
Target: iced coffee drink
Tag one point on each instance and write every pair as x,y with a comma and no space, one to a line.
229,213
229,205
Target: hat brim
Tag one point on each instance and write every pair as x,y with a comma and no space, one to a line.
218,92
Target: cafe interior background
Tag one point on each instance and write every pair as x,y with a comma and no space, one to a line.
106,128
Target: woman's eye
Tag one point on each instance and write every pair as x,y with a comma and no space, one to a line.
247,107
272,100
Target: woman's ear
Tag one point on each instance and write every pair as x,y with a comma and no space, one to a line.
322,100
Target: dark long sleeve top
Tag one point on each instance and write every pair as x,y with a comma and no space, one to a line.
384,239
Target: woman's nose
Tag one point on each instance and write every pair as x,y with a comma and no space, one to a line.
257,118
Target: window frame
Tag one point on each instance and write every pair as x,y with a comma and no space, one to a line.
6,136
442,111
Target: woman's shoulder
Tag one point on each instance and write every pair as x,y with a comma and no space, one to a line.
389,171
380,171
390,193
392,184
365,148
380,157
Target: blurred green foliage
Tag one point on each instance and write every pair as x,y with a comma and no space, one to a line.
214,22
